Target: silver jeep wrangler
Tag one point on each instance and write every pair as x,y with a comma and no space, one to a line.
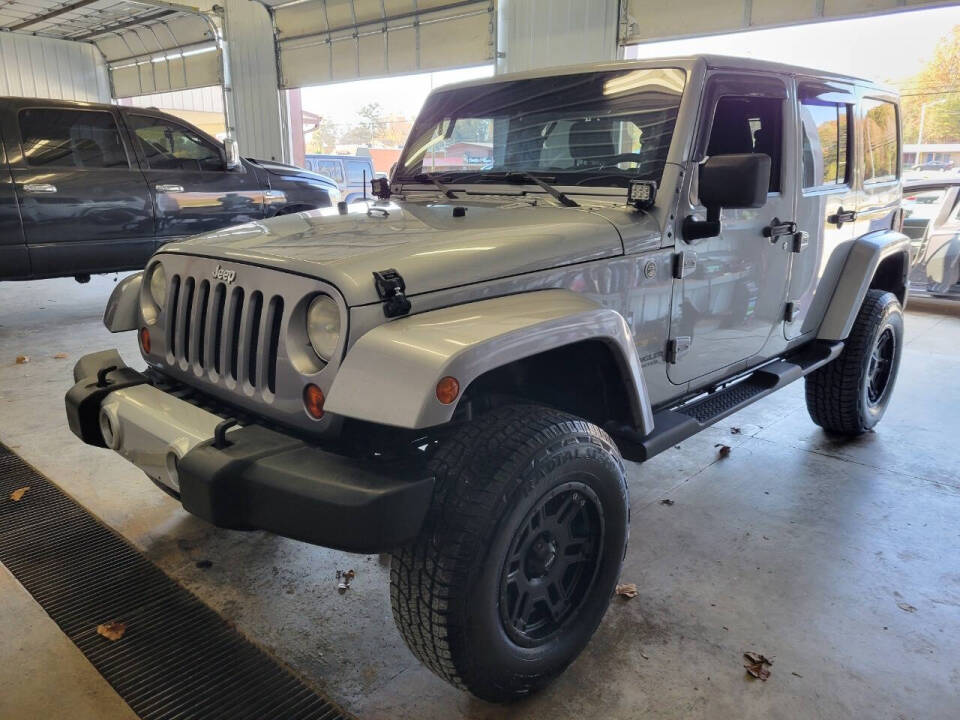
566,269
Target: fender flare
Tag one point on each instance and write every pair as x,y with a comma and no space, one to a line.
390,374
123,307
865,256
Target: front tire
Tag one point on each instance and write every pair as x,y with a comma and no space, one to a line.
519,554
849,395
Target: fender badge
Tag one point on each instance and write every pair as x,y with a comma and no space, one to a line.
221,273
650,270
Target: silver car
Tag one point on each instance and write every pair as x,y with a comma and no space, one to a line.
567,269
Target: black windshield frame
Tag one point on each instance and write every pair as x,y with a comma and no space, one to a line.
520,116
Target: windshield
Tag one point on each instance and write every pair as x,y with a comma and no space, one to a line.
594,129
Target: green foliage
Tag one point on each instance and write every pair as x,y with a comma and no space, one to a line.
938,87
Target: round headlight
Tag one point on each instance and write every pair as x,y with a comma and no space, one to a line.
323,326
158,285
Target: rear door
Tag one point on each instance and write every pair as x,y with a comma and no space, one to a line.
186,172
827,199
85,206
731,294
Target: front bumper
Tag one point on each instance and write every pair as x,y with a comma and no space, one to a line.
251,477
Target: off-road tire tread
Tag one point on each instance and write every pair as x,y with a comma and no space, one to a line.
473,469
833,391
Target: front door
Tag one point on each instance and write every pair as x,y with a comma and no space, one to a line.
730,297
827,200
84,204
193,190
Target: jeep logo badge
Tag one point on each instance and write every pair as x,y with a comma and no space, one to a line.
221,273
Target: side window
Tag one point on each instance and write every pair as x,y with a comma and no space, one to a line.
355,172
880,128
71,138
749,125
168,146
826,144
331,168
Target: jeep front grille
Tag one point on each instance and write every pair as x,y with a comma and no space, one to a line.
214,327
240,336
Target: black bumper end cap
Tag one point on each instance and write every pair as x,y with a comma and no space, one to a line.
96,375
270,481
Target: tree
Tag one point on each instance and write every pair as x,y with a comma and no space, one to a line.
324,138
938,87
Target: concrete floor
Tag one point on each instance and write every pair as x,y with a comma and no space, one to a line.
797,546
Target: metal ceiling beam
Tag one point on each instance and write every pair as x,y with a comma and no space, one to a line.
56,12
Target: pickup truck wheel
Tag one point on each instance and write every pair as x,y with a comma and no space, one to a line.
850,394
519,555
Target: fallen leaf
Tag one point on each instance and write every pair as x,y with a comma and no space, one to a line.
756,665
627,590
60,356
112,630
734,431
204,564
345,577
797,674
666,501
906,607
23,359
724,450
18,493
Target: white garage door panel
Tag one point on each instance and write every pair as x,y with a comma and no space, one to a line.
335,40
145,77
651,20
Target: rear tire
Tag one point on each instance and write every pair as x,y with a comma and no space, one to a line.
520,552
850,394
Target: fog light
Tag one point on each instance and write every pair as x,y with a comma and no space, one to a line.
145,340
313,401
447,390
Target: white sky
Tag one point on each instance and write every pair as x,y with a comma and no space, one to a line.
888,48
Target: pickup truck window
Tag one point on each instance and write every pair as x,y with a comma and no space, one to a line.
168,146
592,129
53,137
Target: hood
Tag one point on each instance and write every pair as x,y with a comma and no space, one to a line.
424,242
284,170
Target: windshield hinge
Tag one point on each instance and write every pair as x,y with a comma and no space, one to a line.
390,288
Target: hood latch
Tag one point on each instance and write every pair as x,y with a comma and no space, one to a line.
390,287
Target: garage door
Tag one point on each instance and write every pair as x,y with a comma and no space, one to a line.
650,20
321,41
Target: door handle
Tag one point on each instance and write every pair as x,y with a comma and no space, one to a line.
842,216
169,188
39,188
777,229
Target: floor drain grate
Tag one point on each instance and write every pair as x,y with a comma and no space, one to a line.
177,658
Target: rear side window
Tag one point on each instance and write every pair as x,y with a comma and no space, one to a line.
749,125
331,168
71,138
826,142
880,130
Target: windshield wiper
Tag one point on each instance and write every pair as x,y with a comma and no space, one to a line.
560,197
427,177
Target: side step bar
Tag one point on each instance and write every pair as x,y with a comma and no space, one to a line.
673,425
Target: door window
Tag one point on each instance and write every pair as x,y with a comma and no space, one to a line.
749,125
355,172
168,146
71,138
826,145
330,168
879,141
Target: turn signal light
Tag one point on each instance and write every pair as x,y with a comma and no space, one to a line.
447,390
145,340
313,401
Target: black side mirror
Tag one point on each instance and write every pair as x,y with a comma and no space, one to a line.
728,181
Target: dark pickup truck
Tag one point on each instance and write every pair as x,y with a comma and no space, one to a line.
88,188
